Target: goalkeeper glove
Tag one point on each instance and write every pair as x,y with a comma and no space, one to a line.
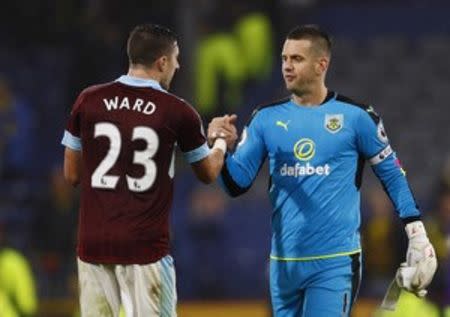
421,264
404,277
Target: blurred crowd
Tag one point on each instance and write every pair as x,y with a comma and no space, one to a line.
51,50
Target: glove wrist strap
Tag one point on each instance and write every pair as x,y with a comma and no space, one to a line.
416,230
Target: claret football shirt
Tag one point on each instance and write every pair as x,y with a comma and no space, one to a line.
127,132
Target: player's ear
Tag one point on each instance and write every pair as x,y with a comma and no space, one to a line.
322,65
161,63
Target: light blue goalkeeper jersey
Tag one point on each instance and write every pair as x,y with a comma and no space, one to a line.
316,156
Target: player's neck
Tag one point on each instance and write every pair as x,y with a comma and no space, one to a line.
312,98
143,73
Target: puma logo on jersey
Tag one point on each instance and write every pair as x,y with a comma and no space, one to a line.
282,124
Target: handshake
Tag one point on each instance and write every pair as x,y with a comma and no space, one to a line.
223,128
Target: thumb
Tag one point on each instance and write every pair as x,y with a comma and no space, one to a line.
421,293
418,279
232,119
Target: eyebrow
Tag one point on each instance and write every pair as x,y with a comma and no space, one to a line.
292,55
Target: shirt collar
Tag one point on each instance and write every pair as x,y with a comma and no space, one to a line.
139,82
330,95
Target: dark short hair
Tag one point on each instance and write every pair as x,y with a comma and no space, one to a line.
148,42
315,34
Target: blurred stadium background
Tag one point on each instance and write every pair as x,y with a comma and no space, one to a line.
392,54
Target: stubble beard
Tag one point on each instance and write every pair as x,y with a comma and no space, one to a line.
301,88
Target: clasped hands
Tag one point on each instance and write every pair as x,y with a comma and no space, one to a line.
224,128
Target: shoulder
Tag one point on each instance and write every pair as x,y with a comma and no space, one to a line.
180,102
180,111
90,92
266,107
175,101
94,89
360,108
182,106
87,94
352,102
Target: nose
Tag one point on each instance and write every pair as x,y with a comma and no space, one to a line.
287,66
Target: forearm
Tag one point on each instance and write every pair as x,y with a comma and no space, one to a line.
216,161
396,186
208,169
72,166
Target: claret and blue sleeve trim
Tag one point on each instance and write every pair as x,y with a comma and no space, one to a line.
71,141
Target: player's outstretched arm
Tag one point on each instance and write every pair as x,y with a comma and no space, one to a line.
72,166
207,170
417,272
241,167
221,134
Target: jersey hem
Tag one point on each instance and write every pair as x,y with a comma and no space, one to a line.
317,257
121,260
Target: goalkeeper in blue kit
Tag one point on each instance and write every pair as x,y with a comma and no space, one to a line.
316,142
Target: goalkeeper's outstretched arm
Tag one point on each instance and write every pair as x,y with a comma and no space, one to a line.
373,144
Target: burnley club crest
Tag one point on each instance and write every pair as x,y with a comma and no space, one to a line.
334,122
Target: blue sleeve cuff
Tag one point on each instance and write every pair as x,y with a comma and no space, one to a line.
197,154
71,141
411,219
227,182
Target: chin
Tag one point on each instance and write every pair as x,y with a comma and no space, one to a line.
290,87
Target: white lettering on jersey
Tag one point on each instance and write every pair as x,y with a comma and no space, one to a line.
125,104
137,104
150,107
304,170
114,104
111,104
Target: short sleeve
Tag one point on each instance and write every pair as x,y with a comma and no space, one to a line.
191,136
72,134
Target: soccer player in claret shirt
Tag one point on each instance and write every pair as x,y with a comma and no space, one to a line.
316,142
120,142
